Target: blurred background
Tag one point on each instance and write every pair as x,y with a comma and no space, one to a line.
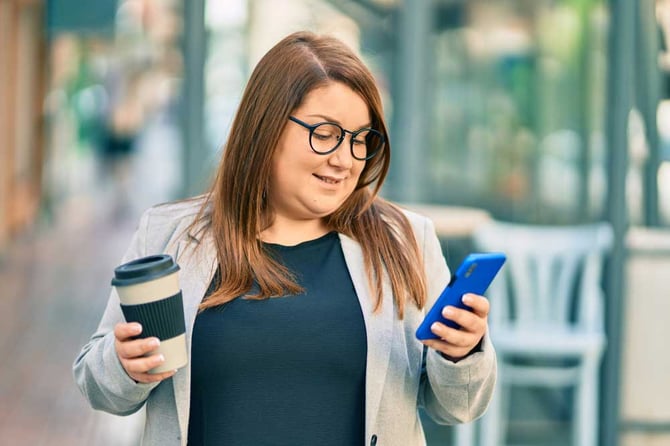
538,112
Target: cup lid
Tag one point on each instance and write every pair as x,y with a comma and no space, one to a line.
144,269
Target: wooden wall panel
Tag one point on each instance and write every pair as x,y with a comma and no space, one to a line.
7,74
22,51
27,112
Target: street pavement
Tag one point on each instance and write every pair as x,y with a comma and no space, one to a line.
54,283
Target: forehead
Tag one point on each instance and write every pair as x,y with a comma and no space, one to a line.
337,101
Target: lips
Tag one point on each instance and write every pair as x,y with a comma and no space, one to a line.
329,180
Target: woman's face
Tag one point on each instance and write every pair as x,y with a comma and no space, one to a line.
305,185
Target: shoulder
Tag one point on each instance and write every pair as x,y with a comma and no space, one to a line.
169,222
176,211
419,224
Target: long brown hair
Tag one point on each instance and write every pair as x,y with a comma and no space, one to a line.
235,211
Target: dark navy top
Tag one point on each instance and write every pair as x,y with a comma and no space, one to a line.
283,371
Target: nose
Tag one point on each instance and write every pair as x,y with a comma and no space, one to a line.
342,157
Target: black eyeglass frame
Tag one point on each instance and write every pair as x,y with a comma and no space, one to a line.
312,127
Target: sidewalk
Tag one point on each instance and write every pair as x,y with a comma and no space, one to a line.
53,288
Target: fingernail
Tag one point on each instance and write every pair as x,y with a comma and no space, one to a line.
434,326
161,358
137,328
448,311
468,299
155,342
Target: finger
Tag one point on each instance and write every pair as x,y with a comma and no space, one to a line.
436,344
143,364
452,336
479,304
136,348
445,348
125,331
467,320
152,377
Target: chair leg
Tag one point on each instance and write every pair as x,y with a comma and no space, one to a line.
585,429
465,434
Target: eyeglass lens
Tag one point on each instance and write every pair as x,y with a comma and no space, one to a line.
327,137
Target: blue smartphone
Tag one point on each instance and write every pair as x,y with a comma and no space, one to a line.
473,276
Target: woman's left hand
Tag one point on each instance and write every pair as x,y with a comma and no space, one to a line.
455,343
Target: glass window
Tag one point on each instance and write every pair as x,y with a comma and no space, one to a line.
519,110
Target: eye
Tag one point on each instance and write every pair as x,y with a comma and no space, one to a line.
326,132
361,138
322,136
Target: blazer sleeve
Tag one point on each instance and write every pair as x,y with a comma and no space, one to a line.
97,369
452,392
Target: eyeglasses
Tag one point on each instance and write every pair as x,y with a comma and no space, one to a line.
326,137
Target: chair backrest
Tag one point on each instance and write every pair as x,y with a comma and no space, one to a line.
552,276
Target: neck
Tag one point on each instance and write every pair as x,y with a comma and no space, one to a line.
291,232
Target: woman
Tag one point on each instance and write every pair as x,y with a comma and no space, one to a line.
302,288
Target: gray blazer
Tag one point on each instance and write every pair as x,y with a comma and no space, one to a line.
398,381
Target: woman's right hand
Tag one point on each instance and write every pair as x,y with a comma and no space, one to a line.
131,353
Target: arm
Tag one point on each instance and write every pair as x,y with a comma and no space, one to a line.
97,370
453,391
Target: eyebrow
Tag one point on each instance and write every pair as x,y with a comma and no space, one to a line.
331,119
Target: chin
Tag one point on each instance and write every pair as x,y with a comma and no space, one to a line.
322,213
321,210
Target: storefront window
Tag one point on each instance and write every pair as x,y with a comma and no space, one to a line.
111,106
225,67
519,110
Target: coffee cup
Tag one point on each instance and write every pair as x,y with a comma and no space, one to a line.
149,292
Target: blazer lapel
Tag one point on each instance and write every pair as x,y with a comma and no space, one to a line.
197,261
379,329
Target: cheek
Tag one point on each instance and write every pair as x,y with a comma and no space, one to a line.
292,168
298,157
357,171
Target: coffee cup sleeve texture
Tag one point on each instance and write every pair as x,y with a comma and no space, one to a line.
150,295
157,318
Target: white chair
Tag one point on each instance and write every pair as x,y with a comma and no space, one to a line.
546,320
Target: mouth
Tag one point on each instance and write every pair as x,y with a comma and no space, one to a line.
329,180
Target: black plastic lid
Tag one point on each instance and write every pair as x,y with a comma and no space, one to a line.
144,269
